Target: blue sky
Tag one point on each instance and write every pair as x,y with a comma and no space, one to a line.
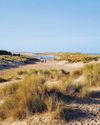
50,25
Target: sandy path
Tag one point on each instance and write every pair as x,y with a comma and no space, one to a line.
51,65
39,65
69,67
48,65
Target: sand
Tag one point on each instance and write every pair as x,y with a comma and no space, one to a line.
50,65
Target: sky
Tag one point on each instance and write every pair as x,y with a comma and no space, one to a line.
50,25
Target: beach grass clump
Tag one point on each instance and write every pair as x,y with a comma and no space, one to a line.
92,72
43,90
78,88
27,98
77,57
82,80
8,75
50,103
8,89
22,72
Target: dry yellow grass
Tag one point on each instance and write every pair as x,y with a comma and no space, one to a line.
77,57
39,90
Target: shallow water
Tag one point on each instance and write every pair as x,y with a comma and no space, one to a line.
46,57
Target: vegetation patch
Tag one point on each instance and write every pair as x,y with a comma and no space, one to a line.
36,93
77,57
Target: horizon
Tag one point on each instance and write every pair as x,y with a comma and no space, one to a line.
49,52
50,26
